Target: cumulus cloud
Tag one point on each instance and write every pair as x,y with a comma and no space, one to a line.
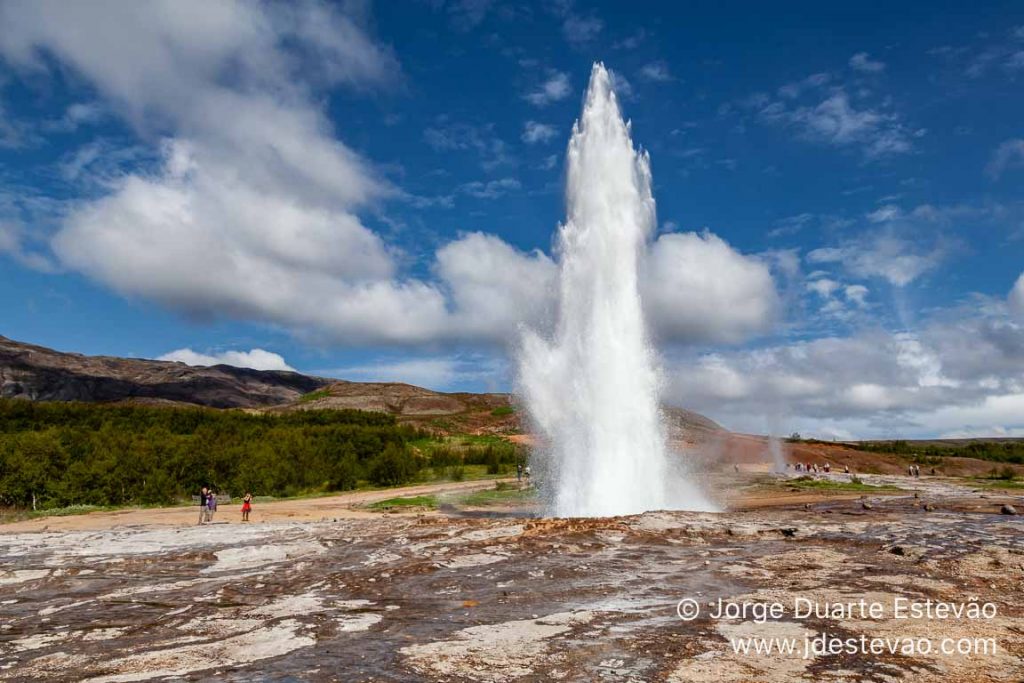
1009,154
863,63
1016,297
962,369
534,132
554,89
696,287
257,359
495,287
251,207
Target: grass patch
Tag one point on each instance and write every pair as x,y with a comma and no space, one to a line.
503,411
854,484
502,494
70,510
314,395
410,502
457,473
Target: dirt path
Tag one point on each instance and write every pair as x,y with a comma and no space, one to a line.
299,510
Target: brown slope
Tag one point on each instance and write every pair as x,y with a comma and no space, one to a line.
38,373
455,413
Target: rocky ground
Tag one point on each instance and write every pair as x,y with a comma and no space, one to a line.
497,595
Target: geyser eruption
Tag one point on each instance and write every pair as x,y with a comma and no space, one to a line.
593,390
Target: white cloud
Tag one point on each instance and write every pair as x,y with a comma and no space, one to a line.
863,63
15,244
534,132
491,189
823,287
796,88
885,213
257,359
549,162
698,288
251,209
1016,297
656,72
554,89
495,287
835,120
964,368
581,30
1009,154
857,294
447,136
884,255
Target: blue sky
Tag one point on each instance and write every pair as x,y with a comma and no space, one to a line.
370,191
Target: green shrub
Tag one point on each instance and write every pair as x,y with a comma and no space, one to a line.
1005,473
396,465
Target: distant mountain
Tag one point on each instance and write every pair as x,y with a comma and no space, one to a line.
40,374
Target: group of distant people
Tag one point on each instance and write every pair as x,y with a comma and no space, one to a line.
523,472
208,505
815,468
915,471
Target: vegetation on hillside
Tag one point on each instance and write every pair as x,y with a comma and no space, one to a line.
54,455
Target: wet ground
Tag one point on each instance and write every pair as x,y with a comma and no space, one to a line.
492,597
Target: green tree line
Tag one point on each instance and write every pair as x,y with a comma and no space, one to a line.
995,451
60,454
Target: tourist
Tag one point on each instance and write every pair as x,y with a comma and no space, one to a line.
526,473
519,471
211,505
246,506
202,504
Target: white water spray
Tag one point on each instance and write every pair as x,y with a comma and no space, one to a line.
593,391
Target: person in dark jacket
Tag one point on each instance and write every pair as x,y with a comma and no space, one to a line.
203,496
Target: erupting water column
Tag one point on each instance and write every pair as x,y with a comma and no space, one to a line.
593,391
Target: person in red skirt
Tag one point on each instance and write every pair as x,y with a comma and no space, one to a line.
246,506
